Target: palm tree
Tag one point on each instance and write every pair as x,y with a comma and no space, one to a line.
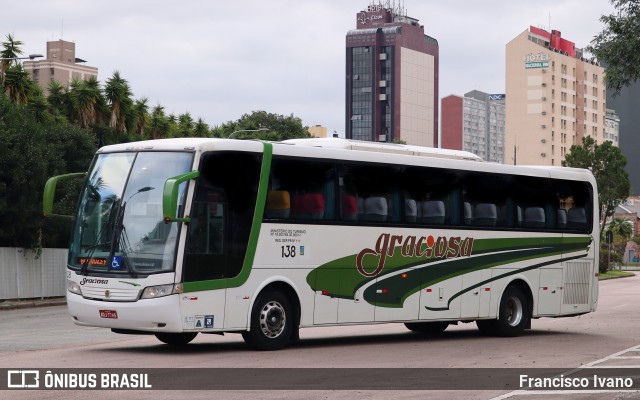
101,108
621,226
86,100
18,84
158,123
118,94
11,50
38,104
201,129
185,125
141,113
58,99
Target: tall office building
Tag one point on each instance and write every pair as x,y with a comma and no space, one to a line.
555,97
626,106
391,78
612,127
61,64
475,123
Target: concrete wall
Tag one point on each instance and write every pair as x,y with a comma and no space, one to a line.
23,275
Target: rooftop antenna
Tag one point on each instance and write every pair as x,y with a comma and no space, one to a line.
62,28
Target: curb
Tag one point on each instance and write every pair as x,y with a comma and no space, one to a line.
32,303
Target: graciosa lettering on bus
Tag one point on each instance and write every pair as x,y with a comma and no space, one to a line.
413,246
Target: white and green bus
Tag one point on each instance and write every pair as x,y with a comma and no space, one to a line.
177,237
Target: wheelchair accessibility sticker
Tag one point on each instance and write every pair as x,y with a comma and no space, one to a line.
116,263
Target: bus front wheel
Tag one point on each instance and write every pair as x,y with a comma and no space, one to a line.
176,339
271,322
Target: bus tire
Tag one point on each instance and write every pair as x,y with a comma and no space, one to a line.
487,327
176,339
271,322
431,328
514,314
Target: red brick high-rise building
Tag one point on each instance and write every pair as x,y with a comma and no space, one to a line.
391,79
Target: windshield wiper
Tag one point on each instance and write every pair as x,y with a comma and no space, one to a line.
97,243
121,243
121,240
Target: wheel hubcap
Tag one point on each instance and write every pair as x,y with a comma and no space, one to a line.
514,311
272,319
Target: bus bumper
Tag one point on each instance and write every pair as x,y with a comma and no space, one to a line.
150,315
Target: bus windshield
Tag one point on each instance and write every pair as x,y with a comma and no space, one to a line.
119,227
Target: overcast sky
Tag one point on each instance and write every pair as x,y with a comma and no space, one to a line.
219,60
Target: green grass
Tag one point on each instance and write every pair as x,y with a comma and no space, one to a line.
615,274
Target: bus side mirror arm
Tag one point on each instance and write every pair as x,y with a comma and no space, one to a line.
170,196
50,191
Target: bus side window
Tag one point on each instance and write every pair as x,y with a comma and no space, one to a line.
535,203
572,208
577,219
485,200
371,191
301,190
221,215
561,220
278,204
206,227
349,207
427,196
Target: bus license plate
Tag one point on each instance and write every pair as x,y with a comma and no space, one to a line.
108,314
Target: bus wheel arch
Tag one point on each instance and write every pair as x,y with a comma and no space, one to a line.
176,339
526,289
515,310
274,318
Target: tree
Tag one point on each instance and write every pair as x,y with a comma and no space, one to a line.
185,125
621,227
279,127
88,105
607,163
158,123
18,84
31,152
38,105
201,129
58,99
618,43
11,49
118,95
140,114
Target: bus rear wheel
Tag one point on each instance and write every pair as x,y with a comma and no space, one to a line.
514,314
271,322
176,339
431,328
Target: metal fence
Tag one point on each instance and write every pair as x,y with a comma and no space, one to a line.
24,275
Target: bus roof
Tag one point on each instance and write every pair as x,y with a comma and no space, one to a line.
359,150
390,148
327,143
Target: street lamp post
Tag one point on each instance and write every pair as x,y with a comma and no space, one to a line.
248,130
29,57
4,65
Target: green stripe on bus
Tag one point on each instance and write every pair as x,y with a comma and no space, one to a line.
495,278
256,225
341,279
397,288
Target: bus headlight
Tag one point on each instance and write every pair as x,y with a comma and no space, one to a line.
152,292
73,287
